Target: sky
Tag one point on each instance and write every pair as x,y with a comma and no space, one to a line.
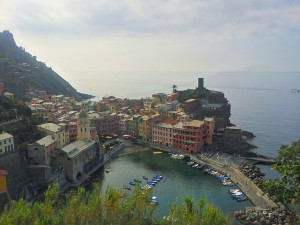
84,37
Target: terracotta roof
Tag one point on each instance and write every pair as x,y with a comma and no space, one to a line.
170,121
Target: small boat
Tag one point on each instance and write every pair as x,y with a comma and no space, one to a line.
200,166
180,156
231,191
127,187
237,193
227,183
242,199
151,183
174,156
132,183
190,163
195,165
238,196
145,178
157,153
154,197
154,201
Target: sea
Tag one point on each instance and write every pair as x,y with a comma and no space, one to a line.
262,103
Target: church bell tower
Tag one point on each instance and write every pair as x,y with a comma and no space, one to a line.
83,126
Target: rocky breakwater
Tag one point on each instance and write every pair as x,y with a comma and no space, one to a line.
275,215
252,172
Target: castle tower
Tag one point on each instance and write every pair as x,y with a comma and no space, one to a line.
83,126
200,83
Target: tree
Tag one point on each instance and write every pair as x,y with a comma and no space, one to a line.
287,187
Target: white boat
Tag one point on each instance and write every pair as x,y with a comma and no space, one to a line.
180,157
231,191
237,193
174,156
190,163
154,197
195,165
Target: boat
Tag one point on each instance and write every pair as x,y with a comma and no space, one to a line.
132,183
200,166
190,163
238,196
145,178
174,156
242,199
151,183
157,153
231,191
195,165
227,183
237,193
127,187
154,201
154,197
180,156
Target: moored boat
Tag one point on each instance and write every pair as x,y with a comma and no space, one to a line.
190,163
132,183
157,153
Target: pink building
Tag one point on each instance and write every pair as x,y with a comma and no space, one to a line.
162,133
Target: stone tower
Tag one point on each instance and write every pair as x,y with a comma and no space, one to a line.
200,83
83,126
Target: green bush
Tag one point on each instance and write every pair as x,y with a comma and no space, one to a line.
115,207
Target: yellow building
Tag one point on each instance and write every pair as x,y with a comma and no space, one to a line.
143,127
60,132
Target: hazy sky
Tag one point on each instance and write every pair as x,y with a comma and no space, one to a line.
81,37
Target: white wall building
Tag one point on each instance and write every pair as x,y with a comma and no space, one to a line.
6,143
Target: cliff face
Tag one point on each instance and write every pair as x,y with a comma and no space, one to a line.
20,71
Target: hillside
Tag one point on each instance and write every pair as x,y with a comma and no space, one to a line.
19,71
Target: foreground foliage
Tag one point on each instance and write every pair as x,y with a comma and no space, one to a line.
287,187
114,207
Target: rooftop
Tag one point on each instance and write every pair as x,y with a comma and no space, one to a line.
48,140
50,127
4,136
76,147
194,123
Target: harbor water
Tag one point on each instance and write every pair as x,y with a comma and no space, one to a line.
180,180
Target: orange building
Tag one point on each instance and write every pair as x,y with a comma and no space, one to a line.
3,183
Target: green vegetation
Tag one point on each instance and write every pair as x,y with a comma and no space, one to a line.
287,187
24,131
114,207
11,109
